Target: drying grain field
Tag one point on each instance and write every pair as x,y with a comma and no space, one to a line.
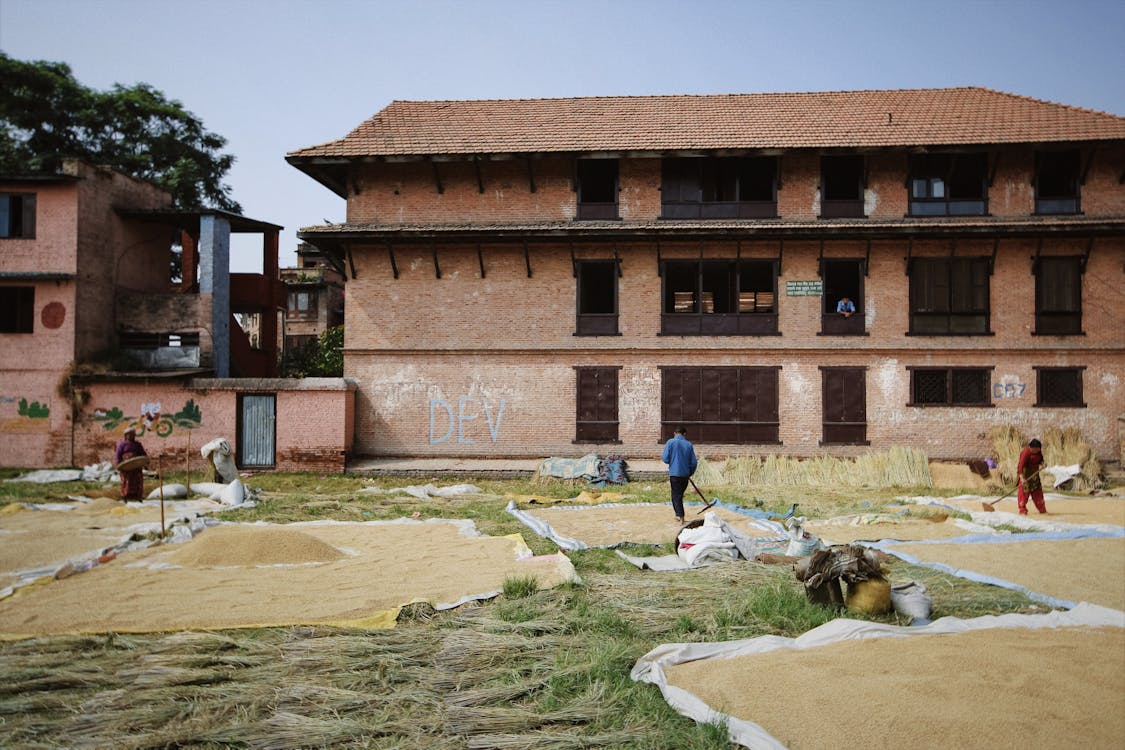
533,669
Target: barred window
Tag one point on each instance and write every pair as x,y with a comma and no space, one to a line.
952,386
1059,386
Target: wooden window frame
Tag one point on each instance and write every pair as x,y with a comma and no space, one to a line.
831,322
1061,204
1039,389
25,205
699,322
856,427
930,167
587,431
950,300
744,383
985,372
708,171
19,304
595,324
1051,322
588,210
842,208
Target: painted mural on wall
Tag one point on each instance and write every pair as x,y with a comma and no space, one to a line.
17,414
152,418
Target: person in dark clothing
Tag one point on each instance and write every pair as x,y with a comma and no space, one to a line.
1027,471
679,454
132,481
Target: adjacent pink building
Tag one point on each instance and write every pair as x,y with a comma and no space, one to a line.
541,277
95,334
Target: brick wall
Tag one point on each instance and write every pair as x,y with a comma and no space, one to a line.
468,366
312,419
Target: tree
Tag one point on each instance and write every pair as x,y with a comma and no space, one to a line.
46,115
322,357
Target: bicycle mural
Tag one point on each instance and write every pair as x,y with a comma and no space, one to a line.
152,418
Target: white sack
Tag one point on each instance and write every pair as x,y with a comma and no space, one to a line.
222,456
171,492
233,494
208,489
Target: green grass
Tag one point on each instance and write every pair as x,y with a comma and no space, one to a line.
537,668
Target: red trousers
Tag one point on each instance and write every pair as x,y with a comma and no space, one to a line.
1036,495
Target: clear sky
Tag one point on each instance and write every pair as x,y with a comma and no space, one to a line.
276,75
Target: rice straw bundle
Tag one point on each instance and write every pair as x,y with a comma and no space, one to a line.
1068,447
707,474
898,467
1007,442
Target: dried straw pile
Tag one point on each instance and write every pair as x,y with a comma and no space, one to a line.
1060,448
898,467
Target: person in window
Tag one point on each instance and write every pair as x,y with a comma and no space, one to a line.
1027,471
845,307
679,454
133,480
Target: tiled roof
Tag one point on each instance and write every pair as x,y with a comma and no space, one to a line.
841,119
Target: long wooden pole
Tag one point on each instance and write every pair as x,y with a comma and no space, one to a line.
160,478
187,461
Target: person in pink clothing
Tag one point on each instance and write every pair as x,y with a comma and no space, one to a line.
1027,470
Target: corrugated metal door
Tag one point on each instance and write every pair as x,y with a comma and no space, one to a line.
256,430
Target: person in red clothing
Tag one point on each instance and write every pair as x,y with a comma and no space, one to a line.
1031,461
132,482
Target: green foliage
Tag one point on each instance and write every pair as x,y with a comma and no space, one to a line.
189,416
35,410
46,116
520,588
323,358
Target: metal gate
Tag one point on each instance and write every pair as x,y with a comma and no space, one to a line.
256,433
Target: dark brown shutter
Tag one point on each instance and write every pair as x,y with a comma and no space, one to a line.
596,410
844,405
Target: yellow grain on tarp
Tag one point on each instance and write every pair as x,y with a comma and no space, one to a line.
1000,688
267,545
383,566
1078,570
1081,510
600,526
911,529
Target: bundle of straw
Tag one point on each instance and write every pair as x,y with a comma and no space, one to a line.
1067,447
1007,442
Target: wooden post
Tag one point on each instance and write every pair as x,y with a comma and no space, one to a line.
160,478
187,462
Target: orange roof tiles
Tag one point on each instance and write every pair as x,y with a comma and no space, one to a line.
836,119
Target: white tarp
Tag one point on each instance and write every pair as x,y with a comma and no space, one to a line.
425,491
650,667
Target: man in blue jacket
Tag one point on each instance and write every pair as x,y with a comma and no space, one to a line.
679,454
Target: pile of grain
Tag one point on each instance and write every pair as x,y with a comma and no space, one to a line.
634,523
250,545
926,691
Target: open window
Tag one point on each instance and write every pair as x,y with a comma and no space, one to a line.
1059,386
949,296
597,298
842,181
843,280
596,409
1056,182
720,404
17,215
1058,296
949,386
719,188
948,185
719,298
597,189
17,309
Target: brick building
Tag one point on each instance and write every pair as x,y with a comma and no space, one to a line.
542,277
316,297
95,334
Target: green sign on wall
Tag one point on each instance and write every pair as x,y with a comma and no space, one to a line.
804,288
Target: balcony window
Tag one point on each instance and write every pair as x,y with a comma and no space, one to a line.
719,188
841,187
1058,296
949,296
719,298
597,298
843,278
949,386
1056,182
597,189
302,304
17,309
17,215
948,185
